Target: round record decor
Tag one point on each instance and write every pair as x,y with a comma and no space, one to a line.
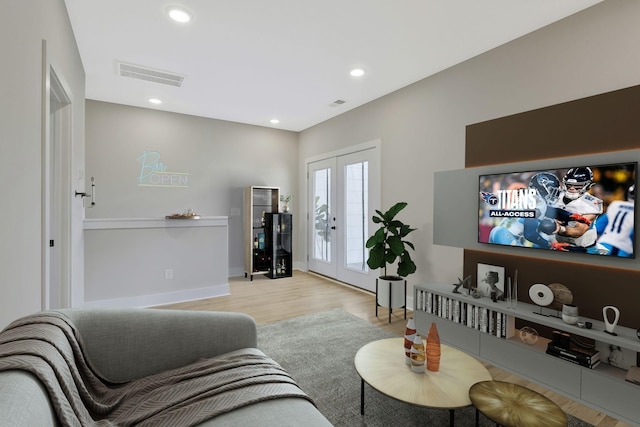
541,294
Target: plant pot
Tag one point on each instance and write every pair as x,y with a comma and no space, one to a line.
390,286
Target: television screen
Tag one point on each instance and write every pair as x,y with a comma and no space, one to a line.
584,209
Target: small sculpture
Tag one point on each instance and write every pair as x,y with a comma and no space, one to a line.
608,325
466,284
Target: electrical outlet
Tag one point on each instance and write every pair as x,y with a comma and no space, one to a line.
168,274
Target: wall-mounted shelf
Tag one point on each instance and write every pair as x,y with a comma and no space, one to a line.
603,388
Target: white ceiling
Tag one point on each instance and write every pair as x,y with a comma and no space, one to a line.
250,61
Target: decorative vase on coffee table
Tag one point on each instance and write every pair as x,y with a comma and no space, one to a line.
409,335
433,349
417,355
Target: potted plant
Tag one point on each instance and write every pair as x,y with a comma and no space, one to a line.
387,245
285,199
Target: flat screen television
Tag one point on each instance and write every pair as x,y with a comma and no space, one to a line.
582,209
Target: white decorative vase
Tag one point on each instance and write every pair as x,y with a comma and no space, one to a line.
409,336
418,355
570,314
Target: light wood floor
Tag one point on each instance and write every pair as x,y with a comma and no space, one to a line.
271,300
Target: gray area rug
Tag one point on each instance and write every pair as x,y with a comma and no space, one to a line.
318,351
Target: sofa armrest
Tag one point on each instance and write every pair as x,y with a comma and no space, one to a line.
24,401
125,344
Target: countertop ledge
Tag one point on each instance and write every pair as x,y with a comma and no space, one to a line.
123,223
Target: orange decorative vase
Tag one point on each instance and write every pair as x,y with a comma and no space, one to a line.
409,335
433,349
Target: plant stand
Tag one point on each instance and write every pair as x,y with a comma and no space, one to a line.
390,285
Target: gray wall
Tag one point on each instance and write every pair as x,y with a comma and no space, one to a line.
422,126
220,157
25,24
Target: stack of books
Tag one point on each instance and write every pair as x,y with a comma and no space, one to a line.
583,357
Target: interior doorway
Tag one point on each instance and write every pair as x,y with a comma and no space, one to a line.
343,192
57,212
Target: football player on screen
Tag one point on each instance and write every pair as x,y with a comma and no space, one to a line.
537,232
579,233
542,230
615,227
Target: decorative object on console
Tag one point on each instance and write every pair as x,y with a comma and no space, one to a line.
417,355
616,356
433,349
409,335
608,324
466,284
491,279
285,199
513,292
541,295
561,295
187,214
570,313
528,335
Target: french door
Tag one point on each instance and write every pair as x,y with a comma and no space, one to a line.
343,194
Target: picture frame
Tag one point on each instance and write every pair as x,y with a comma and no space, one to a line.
491,278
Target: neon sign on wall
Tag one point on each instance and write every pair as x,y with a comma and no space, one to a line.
153,173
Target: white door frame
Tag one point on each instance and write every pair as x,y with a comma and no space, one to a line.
374,196
56,187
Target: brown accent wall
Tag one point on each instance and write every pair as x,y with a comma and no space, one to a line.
602,123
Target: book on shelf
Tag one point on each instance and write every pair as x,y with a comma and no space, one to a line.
580,358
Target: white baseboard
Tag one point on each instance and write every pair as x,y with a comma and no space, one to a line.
161,299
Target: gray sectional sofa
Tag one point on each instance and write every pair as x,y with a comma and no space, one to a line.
125,345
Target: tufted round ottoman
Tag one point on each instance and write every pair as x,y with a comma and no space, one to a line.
512,405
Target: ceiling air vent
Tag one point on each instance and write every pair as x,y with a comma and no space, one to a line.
149,74
337,102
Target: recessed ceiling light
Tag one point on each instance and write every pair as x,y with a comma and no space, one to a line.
155,101
357,72
274,121
179,15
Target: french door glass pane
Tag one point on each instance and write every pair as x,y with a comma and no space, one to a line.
322,209
356,203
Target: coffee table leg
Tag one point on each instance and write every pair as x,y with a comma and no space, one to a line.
361,397
451,417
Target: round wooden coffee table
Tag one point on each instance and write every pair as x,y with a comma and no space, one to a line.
513,405
381,364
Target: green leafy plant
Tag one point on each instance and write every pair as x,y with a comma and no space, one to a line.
321,220
388,243
286,198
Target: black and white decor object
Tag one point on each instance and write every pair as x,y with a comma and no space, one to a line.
610,325
541,295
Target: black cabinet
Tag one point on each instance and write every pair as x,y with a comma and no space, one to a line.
279,244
